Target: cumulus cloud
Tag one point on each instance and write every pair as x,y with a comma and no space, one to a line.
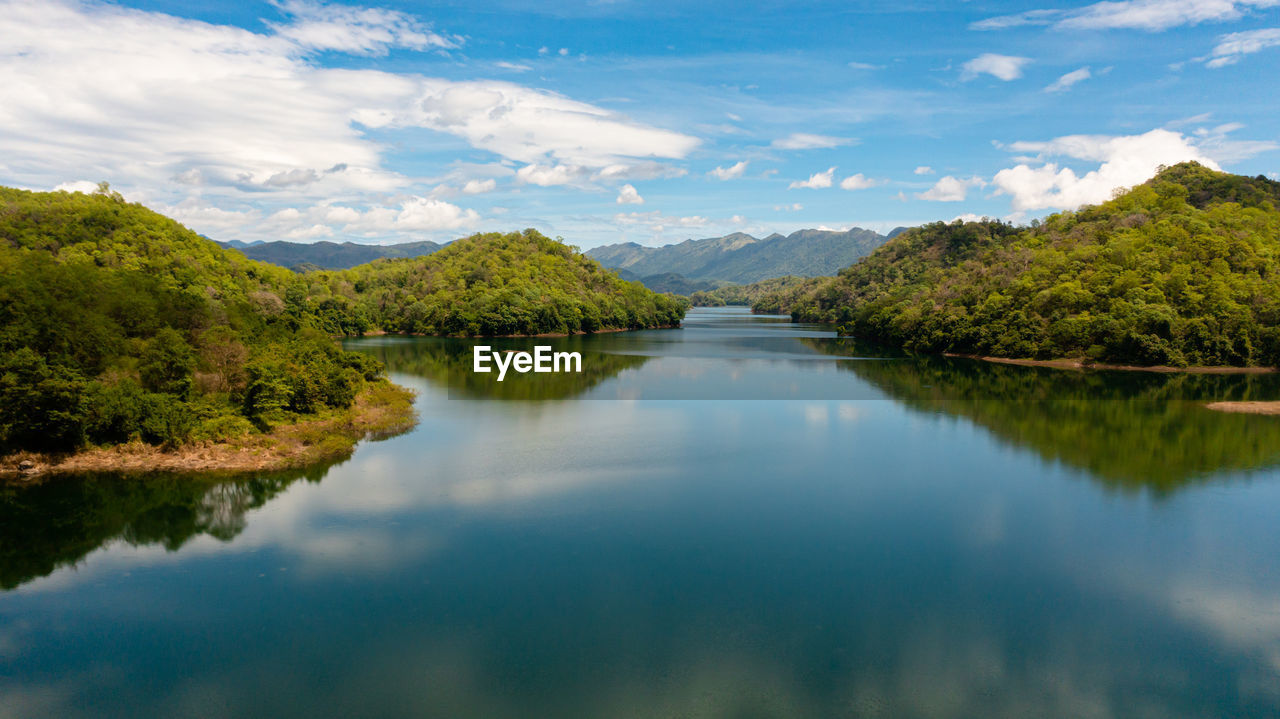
858,182
1124,161
165,106
729,173
951,189
1232,47
412,214
1150,15
627,195
923,170
477,187
549,175
817,180
806,141
1066,81
1002,67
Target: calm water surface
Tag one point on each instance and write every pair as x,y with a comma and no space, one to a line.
825,531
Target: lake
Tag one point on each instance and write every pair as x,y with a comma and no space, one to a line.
741,518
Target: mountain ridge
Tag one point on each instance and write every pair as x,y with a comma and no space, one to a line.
741,258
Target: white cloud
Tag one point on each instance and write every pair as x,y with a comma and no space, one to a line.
731,172
627,195
549,175
923,170
806,141
412,214
1125,161
354,30
858,182
1069,79
564,51
1003,67
865,66
476,187
166,108
512,66
968,217
84,186
817,180
1150,15
793,207
1232,47
951,189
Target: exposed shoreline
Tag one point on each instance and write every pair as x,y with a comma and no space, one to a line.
381,409
1272,408
384,333
1080,364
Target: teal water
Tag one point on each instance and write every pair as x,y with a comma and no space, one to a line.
827,531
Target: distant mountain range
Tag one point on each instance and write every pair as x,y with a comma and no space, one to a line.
741,258
327,255
684,268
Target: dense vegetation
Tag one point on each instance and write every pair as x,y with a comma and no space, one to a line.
766,296
520,283
741,258
117,323
1182,270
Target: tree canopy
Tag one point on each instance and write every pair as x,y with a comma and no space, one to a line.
1181,270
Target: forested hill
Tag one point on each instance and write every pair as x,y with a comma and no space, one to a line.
117,323
741,258
500,284
1181,270
327,255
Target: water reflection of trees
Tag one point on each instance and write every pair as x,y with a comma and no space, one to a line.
58,522
448,363
1131,430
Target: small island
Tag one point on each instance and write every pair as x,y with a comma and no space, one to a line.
129,342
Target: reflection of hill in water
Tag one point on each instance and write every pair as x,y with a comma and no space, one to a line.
1129,429
59,522
448,363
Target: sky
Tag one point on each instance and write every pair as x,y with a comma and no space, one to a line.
609,121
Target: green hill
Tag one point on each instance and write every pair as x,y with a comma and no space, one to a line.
1182,270
521,283
117,323
766,296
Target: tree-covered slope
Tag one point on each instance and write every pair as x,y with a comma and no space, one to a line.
117,323
766,296
1182,270
503,284
741,258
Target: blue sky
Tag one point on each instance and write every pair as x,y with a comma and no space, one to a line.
609,121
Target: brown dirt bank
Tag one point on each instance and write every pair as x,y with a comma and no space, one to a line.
1246,407
1081,364
381,410
384,333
